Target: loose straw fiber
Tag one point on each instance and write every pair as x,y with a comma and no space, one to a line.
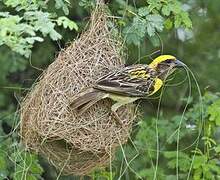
77,144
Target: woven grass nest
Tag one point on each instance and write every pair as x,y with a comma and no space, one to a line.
77,144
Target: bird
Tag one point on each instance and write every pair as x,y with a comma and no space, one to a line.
127,84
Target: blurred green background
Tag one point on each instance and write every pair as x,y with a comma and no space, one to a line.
33,32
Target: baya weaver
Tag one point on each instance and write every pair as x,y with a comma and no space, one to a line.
128,84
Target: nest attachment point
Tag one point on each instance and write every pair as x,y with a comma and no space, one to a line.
77,144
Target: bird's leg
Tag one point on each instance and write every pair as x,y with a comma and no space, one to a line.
120,101
114,109
117,118
116,106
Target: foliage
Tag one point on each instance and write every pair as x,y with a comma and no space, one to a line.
151,19
17,163
31,24
196,157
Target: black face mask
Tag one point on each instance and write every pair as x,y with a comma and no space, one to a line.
165,69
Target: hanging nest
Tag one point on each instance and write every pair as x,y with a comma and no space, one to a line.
77,144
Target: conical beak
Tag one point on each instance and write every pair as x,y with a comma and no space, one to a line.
179,64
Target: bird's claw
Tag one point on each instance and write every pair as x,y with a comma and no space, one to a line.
116,118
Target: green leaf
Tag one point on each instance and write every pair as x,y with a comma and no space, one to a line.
65,22
186,20
182,19
143,11
176,7
214,112
173,154
217,149
35,168
19,33
102,174
28,165
148,173
177,21
31,177
166,10
3,165
31,40
150,30
168,24
154,23
136,31
4,14
197,174
199,161
62,4
154,4
43,23
87,4
55,35
213,167
184,160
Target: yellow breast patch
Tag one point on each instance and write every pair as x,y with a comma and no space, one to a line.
158,84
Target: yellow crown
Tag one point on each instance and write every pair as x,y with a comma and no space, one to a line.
160,59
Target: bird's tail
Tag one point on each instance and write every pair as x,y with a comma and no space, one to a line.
86,99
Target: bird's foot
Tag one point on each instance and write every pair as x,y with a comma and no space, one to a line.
117,119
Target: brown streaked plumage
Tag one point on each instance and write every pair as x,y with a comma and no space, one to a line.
128,84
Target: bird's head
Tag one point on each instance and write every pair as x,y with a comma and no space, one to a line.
165,65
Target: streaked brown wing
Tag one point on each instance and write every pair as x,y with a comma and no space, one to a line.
126,83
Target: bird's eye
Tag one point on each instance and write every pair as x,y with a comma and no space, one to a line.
169,61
